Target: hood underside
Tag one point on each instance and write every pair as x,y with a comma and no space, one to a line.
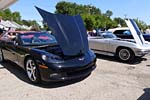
69,31
135,31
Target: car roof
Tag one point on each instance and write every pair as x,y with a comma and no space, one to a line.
118,28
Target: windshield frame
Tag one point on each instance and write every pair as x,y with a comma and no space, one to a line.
110,34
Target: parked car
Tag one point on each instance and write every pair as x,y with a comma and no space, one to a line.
125,33
44,57
39,54
108,43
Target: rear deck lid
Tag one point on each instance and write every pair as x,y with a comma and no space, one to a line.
69,31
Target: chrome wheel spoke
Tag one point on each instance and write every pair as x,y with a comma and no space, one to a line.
33,74
29,69
30,75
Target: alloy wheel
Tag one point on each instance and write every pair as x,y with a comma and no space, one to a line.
124,54
31,70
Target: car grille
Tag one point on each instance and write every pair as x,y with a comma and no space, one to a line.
88,68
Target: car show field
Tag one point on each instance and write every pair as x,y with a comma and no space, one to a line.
111,80
76,51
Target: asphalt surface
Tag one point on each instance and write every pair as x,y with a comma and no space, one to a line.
111,80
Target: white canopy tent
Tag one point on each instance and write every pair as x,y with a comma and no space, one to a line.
6,3
16,24
7,24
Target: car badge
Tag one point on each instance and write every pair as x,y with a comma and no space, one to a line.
81,59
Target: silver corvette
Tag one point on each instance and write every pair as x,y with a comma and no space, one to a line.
125,49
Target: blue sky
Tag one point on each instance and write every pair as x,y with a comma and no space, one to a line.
131,8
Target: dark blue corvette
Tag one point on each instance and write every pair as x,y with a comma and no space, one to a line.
64,56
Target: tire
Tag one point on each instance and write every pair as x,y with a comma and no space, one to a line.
1,56
125,54
32,71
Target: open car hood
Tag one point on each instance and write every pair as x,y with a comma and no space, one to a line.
135,31
69,31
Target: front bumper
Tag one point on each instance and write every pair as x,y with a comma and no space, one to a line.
141,53
67,73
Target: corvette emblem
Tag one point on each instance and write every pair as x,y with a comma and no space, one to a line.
81,58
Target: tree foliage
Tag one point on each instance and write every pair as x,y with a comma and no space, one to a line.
109,13
120,21
141,24
69,8
92,16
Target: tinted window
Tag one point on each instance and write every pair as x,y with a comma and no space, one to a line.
108,35
37,38
122,32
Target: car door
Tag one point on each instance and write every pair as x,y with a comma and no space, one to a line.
7,46
106,44
9,51
19,52
98,44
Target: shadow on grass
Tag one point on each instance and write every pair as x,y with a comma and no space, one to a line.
145,95
21,74
137,60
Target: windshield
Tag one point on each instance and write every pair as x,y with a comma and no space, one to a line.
38,38
108,35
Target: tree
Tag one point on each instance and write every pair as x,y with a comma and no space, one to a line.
45,26
120,21
16,17
6,14
109,13
69,8
92,16
89,23
141,24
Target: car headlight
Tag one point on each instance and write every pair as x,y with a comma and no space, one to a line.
52,58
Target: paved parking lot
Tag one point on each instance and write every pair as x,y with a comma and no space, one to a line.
112,80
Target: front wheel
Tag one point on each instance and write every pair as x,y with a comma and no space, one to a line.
32,71
125,54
